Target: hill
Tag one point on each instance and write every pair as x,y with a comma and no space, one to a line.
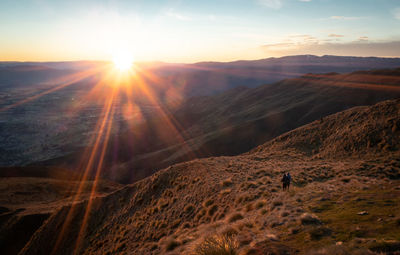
49,110
29,195
205,126
344,198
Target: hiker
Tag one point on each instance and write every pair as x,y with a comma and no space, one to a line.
284,181
288,179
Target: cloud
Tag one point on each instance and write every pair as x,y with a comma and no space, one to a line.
356,48
171,13
305,0
363,39
273,4
396,13
345,18
302,38
335,35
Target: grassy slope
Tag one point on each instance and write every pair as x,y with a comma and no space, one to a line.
174,210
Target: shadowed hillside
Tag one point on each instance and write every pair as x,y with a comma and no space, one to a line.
49,110
240,119
344,198
29,195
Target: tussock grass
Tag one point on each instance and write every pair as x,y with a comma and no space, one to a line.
212,210
226,183
225,192
235,217
260,204
208,202
251,185
189,208
171,245
217,245
277,203
229,231
249,207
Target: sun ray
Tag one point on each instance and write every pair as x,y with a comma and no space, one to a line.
66,81
97,135
109,119
112,84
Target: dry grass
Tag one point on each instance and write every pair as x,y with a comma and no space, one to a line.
189,208
217,245
227,183
171,245
213,209
247,201
260,204
235,217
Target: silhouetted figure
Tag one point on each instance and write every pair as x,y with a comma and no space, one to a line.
284,181
288,180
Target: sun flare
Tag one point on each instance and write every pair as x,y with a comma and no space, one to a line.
122,60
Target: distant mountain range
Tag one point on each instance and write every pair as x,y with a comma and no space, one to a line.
204,78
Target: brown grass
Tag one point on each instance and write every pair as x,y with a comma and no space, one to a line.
235,217
217,245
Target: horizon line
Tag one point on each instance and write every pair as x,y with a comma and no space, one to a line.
195,62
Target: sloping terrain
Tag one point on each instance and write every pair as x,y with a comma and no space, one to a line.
344,198
28,196
205,126
48,110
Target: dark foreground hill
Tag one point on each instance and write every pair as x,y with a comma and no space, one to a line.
344,199
238,120
29,195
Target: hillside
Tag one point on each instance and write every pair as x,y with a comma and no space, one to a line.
344,198
28,197
204,126
49,110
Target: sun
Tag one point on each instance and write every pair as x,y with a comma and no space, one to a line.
122,60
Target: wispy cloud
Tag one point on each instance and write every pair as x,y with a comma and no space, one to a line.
302,38
305,0
345,18
396,13
324,47
171,13
273,4
363,39
335,35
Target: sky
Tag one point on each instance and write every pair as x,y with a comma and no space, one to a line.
188,31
